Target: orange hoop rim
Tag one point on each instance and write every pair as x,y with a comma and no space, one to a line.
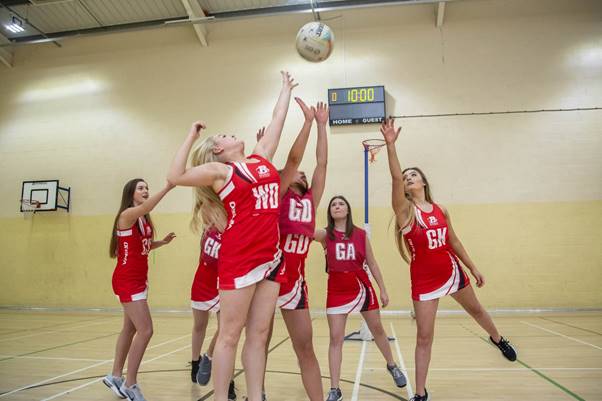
373,143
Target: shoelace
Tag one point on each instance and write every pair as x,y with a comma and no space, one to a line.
504,344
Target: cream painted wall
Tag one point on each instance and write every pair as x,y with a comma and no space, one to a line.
525,190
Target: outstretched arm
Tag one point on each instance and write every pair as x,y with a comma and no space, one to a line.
295,155
318,178
129,216
401,205
375,270
267,145
208,174
166,240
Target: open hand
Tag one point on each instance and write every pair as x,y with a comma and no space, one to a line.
388,130
308,112
321,113
287,81
169,237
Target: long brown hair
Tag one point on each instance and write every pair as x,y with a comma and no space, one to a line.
348,224
399,241
127,201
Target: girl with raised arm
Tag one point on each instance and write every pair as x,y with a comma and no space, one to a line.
131,241
436,251
246,191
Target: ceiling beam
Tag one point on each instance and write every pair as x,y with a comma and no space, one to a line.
7,55
194,11
439,13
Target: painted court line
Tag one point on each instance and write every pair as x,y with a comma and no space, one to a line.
82,369
358,372
402,363
50,358
573,326
100,378
494,369
532,369
39,333
561,335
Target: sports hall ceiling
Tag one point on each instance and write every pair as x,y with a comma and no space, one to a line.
35,21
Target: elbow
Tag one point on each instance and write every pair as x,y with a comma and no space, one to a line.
294,159
173,179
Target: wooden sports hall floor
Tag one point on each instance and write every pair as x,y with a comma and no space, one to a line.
46,356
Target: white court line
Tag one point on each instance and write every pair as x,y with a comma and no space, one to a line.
81,369
561,335
358,372
51,358
402,363
100,378
494,369
42,332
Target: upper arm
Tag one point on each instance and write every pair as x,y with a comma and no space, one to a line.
204,175
370,259
452,234
401,205
128,217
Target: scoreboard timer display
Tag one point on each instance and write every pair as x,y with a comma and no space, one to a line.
361,105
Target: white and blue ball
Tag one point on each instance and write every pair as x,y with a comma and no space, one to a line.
315,41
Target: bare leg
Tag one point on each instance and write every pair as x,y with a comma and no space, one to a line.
234,307
123,345
336,324
298,323
375,325
260,317
139,314
199,328
467,298
214,339
426,311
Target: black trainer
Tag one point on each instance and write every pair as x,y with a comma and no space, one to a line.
231,392
194,368
424,397
507,349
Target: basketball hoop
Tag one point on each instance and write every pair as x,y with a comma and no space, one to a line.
373,146
29,207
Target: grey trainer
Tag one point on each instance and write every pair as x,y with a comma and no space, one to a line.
398,377
132,393
204,374
114,383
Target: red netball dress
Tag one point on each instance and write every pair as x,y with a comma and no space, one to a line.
249,251
130,277
297,225
435,269
349,287
203,294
